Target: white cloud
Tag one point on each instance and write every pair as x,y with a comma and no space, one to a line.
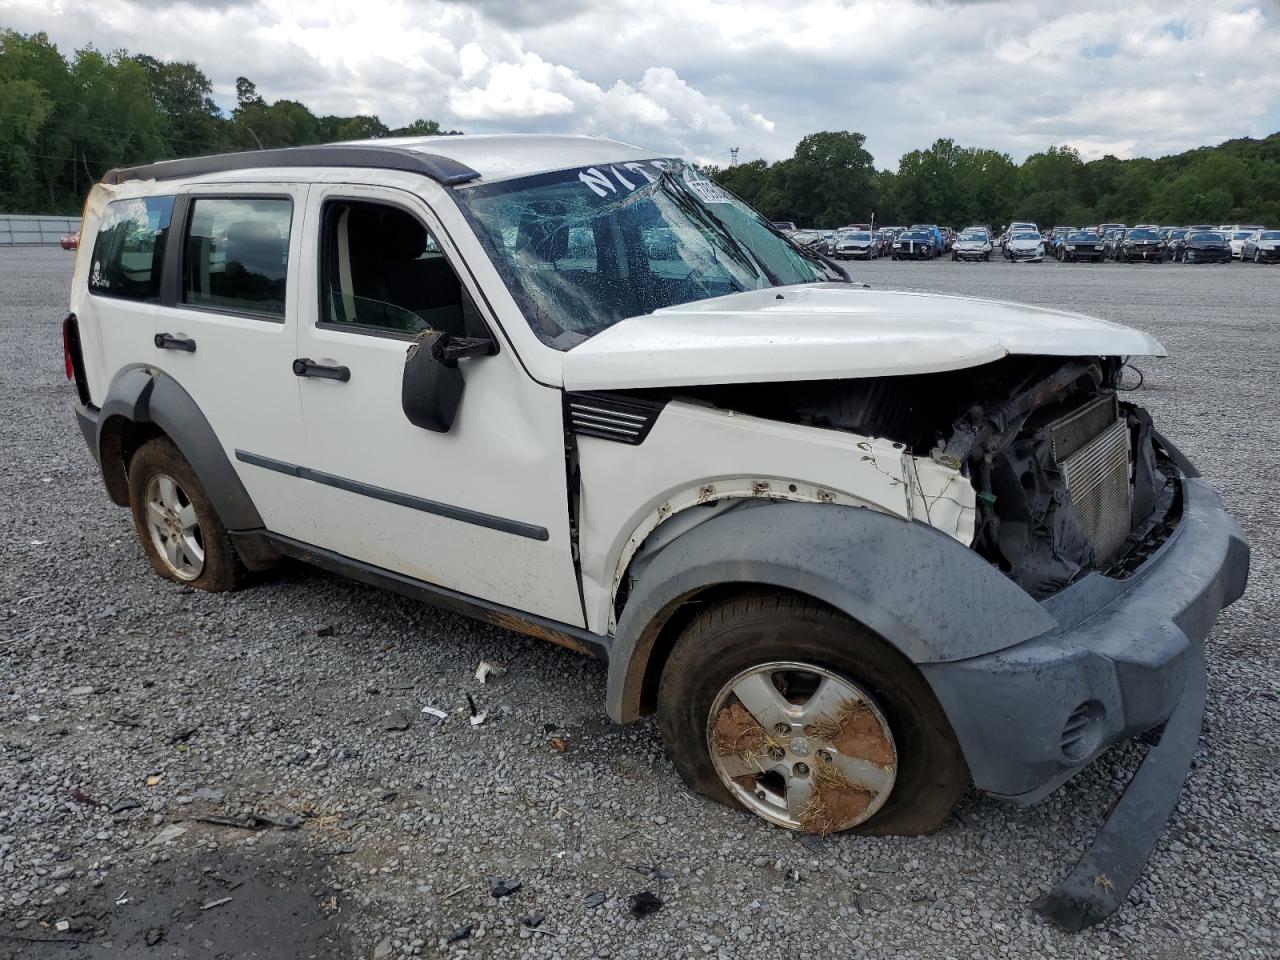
696,78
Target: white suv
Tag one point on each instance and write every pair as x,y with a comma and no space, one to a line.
857,549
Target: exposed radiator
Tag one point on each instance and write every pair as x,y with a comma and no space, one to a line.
1097,477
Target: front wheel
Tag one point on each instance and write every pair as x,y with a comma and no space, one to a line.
782,706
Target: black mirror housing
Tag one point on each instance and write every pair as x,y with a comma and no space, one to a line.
431,390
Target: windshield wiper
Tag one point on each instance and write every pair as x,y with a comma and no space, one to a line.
690,202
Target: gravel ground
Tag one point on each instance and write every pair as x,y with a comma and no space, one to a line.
130,707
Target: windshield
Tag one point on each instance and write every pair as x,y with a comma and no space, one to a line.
1242,235
1142,235
1214,237
973,238
1027,236
1270,235
914,235
856,236
582,249
1083,236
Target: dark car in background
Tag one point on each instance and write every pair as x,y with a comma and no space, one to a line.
1141,244
1080,245
1263,246
1205,246
913,245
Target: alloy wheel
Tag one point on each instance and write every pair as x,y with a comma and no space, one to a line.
802,747
174,528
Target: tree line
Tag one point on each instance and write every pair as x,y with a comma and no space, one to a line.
64,122
831,180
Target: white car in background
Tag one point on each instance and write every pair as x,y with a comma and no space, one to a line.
1024,246
972,245
856,245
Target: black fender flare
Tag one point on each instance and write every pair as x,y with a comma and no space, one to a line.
925,593
144,396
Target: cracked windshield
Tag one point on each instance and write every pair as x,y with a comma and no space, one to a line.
582,249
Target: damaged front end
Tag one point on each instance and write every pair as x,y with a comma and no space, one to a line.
1068,478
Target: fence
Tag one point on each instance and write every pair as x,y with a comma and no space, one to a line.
15,229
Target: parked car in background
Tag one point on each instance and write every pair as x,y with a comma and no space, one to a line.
806,238
1173,240
1143,244
1236,239
856,245
785,226
70,241
1024,246
1263,246
1080,245
884,242
1105,228
913,245
935,235
972,245
1206,246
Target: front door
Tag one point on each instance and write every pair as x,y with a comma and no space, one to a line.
482,509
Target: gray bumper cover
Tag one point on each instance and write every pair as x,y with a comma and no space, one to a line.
1132,651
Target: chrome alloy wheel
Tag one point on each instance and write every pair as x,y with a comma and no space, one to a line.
175,531
802,747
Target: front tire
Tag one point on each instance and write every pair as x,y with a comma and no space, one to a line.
177,525
800,664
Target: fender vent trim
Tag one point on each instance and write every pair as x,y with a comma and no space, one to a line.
611,417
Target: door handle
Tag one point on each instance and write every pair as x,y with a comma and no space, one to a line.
167,341
305,367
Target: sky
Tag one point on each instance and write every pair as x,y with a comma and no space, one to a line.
697,77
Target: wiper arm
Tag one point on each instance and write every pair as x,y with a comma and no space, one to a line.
690,202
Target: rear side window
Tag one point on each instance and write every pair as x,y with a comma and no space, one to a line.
236,254
129,249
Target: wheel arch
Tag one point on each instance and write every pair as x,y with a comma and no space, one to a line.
926,595
142,404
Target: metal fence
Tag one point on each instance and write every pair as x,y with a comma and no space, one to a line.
15,229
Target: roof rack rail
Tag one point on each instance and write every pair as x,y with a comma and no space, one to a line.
444,170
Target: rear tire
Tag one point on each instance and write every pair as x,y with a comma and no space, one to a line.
177,525
743,633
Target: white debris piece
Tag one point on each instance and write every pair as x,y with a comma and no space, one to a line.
486,670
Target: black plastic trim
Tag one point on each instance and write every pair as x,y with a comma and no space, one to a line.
1102,878
515,527
444,170
509,618
622,419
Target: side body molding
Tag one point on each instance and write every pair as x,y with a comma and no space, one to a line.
144,396
932,598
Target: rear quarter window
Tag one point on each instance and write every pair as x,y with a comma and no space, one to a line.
236,254
129,249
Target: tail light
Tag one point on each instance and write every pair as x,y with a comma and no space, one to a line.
66,347
72,357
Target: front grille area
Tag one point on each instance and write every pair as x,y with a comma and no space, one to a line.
1097,477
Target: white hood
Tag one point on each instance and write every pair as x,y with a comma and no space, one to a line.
832,331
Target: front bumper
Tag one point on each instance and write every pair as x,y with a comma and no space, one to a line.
918,252
1207,256
1028,256
1030,717
1268,256
1143,253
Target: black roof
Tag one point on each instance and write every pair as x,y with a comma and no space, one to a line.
445,170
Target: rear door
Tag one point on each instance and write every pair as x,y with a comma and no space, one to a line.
481,509
226,331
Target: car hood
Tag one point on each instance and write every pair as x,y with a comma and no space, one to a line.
831,331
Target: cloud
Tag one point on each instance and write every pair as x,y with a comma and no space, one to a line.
695,78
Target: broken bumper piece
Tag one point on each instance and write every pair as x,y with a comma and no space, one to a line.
1126,657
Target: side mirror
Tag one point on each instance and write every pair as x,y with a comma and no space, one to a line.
431,390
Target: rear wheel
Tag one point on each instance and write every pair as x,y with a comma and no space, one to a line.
180,532
782,706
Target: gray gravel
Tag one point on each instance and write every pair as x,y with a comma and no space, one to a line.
118,687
